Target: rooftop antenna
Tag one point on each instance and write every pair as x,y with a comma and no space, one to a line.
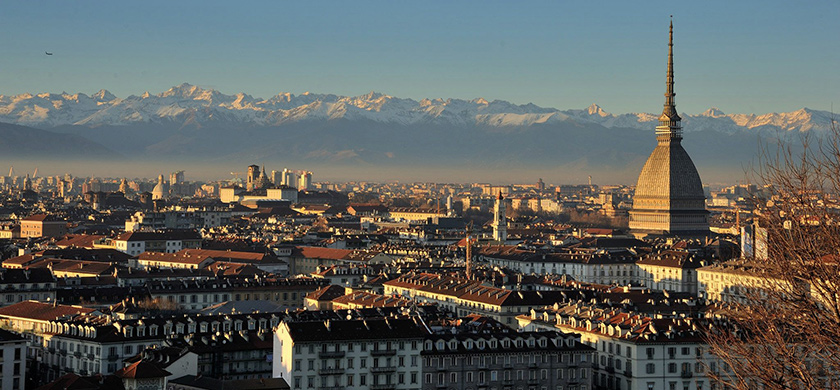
12,171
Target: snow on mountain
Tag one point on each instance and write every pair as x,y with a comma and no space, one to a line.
192,104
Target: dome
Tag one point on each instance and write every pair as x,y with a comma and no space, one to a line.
669,174
159,190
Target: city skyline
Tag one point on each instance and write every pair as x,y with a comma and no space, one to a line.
553,55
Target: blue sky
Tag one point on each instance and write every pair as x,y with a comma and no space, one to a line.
740,56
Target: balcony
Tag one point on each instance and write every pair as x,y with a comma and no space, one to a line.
686,374
628,373
383,352
378,370
113,357
333,354
609,369
330,371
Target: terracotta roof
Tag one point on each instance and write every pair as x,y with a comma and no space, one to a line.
327,293
41,311
314,252
78,240
42,218
142,370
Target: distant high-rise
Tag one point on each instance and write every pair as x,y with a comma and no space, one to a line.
305,181
669,198
500,220
289,178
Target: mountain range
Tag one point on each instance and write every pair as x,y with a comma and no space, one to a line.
190,123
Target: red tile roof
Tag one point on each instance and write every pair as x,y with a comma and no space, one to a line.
142,370
41,311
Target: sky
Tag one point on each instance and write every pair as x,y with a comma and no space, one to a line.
739,56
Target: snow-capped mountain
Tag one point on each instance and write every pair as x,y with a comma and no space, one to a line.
187,104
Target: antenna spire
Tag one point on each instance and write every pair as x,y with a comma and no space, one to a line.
669,121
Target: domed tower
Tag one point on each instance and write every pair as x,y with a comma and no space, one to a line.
669,198
160,189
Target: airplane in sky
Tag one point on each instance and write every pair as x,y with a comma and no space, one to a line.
48,53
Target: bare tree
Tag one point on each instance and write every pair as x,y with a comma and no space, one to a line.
787,334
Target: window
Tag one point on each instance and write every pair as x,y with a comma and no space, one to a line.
650,353
350,380
650,368
686,351
672,367
413,377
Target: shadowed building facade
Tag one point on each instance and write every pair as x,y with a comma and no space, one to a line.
669,198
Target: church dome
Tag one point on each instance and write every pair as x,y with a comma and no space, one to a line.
159,190
669,173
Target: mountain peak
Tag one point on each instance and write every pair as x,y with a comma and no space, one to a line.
595,109
103,95
373,95
189,91
713,112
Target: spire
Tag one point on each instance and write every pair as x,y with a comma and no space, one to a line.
669,122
